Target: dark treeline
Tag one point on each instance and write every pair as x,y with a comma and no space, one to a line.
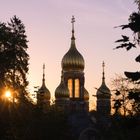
20,119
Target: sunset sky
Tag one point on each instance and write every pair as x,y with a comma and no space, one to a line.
48,28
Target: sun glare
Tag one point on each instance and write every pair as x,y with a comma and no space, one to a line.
8,94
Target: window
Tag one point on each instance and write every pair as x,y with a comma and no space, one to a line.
77,88
70,87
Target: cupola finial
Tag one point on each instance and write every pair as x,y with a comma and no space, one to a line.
72,21
103,78
43,80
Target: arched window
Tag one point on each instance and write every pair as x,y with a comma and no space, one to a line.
77,89
70,87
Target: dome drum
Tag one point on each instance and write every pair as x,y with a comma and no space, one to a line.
73,74
103,95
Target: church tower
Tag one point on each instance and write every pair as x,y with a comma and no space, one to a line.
43,94
103,106
73,74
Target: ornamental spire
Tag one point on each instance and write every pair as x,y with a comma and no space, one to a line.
72,21
103,78
43,80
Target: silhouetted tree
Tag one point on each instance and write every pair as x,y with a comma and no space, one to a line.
13,56
128,43
4,44
122,88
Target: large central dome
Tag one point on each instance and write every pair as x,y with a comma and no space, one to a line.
73,60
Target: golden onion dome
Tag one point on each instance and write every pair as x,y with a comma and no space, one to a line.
103,91
43,90
73,60
86,94
61,91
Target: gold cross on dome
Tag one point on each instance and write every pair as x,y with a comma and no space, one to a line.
103,64
73,19
43,66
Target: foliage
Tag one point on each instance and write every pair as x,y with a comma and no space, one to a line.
134,26
29,123
13,56
122,104
128,44
122,128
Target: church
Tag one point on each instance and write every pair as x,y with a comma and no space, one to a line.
72,97
71,94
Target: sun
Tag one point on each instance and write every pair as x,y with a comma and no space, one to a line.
7,94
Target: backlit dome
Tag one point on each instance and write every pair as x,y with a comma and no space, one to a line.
45,92
73,60
103,91
61,91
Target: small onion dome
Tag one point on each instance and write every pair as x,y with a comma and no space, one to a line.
86,94
103,91
73,60
61,91
45,92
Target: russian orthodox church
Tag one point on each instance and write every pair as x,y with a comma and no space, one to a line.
71,93
72,96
